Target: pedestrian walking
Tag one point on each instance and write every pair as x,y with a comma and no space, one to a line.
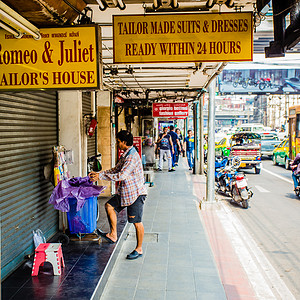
176,145
131,192
181,145
189,147
165,145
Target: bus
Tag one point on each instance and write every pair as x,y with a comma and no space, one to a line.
294,131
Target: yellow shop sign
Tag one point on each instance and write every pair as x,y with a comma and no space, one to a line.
65,57
183,38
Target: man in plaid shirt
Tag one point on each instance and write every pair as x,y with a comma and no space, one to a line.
131,192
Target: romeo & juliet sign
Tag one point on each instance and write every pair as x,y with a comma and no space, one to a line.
65,57
170,110
183,37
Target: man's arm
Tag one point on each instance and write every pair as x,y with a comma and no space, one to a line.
95,176
179,146
127,168
159,139
171,143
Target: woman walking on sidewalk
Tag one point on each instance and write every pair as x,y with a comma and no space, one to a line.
131,192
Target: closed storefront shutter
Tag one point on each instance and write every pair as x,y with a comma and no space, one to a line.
28,131
86,110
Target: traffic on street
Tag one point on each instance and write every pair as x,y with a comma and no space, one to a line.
273,222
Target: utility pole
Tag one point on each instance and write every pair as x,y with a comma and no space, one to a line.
196,137
210,186
201,140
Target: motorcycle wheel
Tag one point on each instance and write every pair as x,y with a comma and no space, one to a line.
244,85
235,84
297,192
262,85
257,170
245,204
63,239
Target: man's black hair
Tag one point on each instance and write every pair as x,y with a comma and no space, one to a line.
171,127
125,136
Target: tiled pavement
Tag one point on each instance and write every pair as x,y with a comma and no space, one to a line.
178,262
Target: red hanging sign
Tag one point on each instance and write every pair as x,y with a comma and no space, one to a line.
170,110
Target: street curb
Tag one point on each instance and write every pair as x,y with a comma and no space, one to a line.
110,264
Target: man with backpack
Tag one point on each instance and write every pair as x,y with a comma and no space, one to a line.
165,145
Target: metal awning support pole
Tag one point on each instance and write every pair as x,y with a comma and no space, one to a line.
210,186
201,138
196,137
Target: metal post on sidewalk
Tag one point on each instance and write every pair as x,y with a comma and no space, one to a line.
210,186
195,119
201,138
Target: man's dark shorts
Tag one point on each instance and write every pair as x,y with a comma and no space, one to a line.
134,211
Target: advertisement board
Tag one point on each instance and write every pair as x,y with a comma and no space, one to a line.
170,110
64,58
260,81
183,37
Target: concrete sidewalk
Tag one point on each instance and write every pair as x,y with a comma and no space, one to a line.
178,262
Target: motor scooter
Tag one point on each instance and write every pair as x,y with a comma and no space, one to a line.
297,189
231,182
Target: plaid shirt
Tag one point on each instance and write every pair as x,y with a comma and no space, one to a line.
129,173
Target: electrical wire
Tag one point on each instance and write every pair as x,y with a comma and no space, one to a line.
73,7
276,15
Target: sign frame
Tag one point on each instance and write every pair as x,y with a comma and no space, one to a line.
196,59
97,67
169,105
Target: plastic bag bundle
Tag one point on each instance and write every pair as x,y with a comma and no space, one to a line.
80,188
38,237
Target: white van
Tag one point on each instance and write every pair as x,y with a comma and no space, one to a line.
252,127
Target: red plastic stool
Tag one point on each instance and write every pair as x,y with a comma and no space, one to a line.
50,252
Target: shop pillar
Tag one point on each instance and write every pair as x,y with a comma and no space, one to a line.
106,136
71,129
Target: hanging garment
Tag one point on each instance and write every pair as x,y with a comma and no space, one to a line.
80,188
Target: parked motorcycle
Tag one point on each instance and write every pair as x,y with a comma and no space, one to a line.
231,182
240,81
253,82
265,83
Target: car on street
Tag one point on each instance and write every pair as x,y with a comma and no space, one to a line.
281,154
223,147
247,145
269,140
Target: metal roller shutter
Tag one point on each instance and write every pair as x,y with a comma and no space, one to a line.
28,131
86,109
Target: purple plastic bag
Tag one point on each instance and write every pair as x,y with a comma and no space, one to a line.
80,188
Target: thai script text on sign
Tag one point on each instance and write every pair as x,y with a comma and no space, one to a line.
170,110
63,58
183,38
